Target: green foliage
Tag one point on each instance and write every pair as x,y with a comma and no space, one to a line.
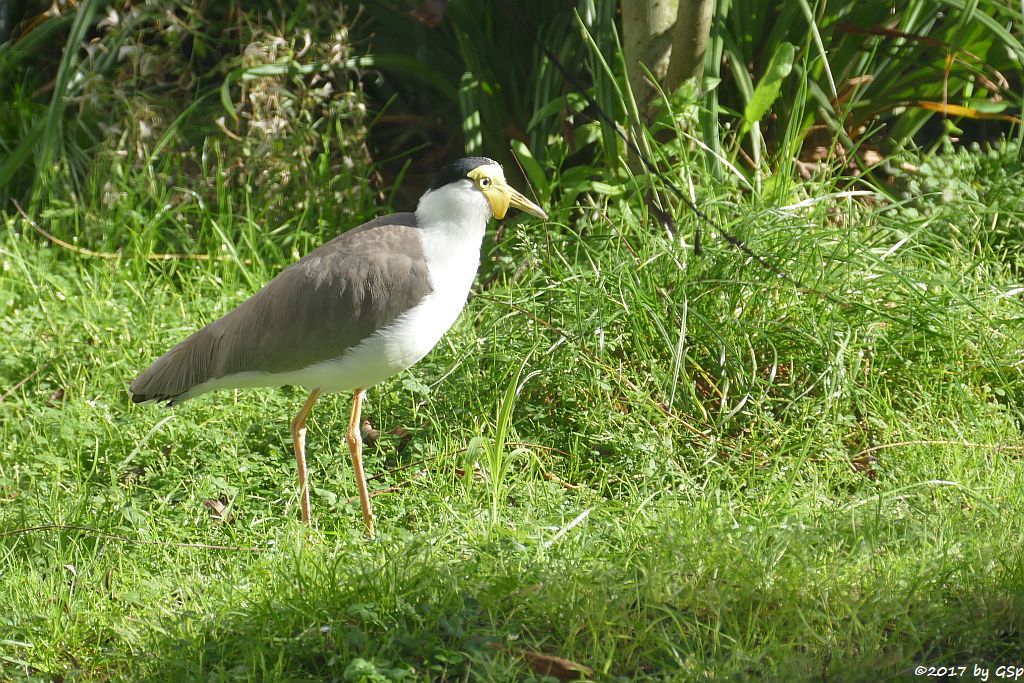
770,85
31,133
164,87
487,82
862,71
494,451
970,198
362,671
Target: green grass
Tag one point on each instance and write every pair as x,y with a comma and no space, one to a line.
659,466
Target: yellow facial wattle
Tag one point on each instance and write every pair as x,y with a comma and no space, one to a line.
490,180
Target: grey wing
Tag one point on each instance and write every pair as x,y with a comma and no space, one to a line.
316,309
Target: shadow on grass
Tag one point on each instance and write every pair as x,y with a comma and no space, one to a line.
683,597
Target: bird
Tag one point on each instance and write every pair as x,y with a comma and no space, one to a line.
353,312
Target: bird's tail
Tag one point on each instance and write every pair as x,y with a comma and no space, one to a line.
178,374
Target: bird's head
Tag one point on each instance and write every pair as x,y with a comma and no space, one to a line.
483,175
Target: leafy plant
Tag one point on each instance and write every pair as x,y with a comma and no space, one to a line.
863,73
160,88
975,180
494,450
361,670
470,78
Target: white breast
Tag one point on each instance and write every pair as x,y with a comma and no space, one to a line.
452,266
452,221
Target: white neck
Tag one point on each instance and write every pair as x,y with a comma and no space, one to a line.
457,208
453,219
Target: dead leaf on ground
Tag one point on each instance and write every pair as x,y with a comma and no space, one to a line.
370,434
218,508
478,473
966,112
549,665
866,465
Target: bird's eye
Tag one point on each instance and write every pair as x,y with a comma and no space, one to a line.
485,182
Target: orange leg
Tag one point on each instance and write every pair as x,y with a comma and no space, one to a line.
355,447
299,440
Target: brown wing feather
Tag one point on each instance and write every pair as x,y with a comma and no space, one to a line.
316,309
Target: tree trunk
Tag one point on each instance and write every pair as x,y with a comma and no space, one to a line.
647,41
689,41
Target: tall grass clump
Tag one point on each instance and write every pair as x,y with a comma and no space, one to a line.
154,97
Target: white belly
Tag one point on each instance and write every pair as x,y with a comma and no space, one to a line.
389,351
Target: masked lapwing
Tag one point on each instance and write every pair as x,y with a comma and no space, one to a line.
351,313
